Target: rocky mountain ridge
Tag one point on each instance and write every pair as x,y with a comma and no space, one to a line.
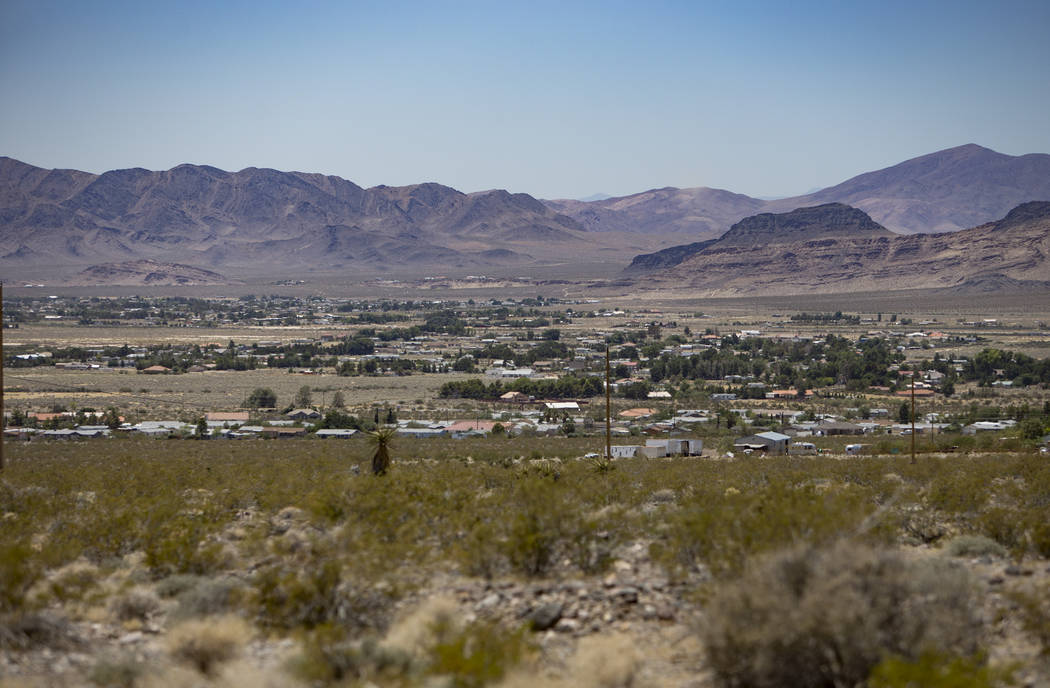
1009,254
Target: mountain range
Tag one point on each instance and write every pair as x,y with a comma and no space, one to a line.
941,192
834,248
55,224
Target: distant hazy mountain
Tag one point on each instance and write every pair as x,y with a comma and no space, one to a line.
257,218
944,191
702,213
1009,254
940,192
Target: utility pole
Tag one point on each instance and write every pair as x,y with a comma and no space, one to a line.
608,408
913,416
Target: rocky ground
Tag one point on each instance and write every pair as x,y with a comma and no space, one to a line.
632,626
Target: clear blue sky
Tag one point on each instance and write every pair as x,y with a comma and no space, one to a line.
556,99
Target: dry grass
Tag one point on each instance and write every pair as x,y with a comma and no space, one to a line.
207,643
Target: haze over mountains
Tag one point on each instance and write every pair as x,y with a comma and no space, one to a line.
265,222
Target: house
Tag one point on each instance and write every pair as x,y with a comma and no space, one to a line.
231,417
303,414
786,394
514,397
155,370
802,448
340,433
624,451
421,432
635,413
562,406
677,447
470,428
282,432
768,442
837,427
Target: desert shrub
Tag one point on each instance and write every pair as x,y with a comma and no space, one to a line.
535,527
479,552
826,617
1003,526
473,655
1039,533
134,605
722,531
933,670
329,657
175,585
19,570
206,643
26,630
116,673
974,546
73,581
289,596
179,546
209,597
923,526
1034,608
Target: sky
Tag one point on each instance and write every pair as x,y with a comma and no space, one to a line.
555,99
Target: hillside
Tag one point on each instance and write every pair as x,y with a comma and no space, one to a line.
943,191
1007,254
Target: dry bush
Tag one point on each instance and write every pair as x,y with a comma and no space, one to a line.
413,632
811,618
135,605
123,672
600,661
209,597
974,546
27,630
207,643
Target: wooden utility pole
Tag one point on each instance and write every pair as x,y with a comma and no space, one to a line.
913,416
608,408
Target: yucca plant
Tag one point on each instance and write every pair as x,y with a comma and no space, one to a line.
381,438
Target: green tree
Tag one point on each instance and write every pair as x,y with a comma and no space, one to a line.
904,413
1032,429
304,397
202,428
262,397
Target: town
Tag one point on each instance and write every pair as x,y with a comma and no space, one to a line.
779,383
